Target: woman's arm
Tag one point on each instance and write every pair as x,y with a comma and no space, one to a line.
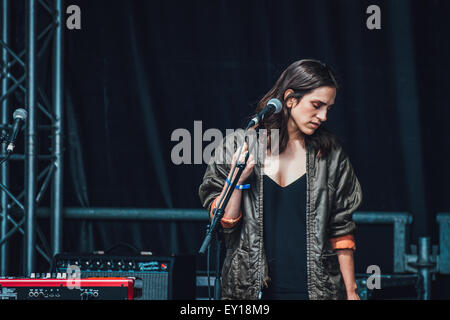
233,208
347,266
213,186
348,197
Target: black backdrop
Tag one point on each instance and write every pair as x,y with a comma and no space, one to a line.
138,70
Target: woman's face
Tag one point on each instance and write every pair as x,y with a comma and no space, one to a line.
310,112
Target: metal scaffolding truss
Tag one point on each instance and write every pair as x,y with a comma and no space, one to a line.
19,66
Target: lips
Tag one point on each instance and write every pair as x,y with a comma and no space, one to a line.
315,125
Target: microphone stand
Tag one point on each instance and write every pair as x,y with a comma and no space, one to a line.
3,138
219,211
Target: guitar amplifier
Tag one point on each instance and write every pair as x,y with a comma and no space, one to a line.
163,278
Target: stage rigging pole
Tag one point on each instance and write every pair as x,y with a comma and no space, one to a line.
30,141
57,139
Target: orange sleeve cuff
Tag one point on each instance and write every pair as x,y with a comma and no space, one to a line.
344,242
226,223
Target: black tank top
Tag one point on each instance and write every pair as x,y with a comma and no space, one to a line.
285,239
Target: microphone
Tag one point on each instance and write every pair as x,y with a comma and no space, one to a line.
19,116
273,106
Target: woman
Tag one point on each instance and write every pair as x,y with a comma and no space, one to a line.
289,232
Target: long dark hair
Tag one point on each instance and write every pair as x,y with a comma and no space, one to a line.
302,77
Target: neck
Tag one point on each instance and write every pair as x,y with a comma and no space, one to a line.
294,133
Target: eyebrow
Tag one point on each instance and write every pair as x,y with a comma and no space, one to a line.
319,101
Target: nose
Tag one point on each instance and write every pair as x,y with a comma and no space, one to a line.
322,114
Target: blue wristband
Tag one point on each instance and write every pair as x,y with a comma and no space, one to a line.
240,187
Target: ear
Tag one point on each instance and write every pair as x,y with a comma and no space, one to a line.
291,101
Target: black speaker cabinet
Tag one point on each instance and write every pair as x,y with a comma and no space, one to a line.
161,278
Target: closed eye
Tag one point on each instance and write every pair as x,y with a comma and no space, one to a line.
317,104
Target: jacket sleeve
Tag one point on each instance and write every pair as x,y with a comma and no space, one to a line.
344,242
213,182
226,223
348,197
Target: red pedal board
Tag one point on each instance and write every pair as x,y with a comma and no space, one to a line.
67,289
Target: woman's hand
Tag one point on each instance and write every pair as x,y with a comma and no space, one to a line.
248,168
353,296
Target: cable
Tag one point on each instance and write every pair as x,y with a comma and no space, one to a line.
208,273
